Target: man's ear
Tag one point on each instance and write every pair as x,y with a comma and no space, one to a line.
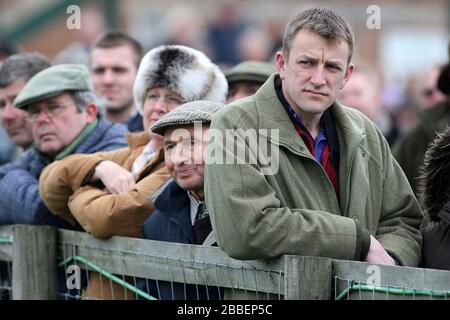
280,64
347,75
91,112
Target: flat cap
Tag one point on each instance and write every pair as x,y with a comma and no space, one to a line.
54,81
251,70
186,114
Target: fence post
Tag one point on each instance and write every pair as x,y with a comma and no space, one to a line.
307,278
34,262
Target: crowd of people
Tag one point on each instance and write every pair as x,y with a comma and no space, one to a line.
129,147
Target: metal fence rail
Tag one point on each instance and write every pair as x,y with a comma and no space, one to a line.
42,260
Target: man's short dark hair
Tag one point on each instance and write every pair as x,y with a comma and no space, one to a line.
115,38
21,66
322,21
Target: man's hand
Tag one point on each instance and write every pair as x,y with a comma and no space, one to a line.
115,178
377,254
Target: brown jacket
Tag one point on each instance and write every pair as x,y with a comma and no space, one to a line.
99,212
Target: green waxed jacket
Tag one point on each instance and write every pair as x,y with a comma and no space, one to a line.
296,211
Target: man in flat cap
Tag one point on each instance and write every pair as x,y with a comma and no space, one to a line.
167,77
62,112
245,78
180,213
107,193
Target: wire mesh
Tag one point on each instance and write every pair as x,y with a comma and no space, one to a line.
5,270
158,277
347,289
5,280
124,268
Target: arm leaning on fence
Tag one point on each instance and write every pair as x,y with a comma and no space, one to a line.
104,214
60,179
288,277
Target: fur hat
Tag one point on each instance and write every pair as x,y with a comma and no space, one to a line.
184,70
434,183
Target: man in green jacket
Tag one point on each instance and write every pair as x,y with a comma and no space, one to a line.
333,188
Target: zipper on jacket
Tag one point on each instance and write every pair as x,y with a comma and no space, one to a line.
347,187
310,157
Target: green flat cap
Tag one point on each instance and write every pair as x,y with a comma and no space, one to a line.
54,81
186,114
257,71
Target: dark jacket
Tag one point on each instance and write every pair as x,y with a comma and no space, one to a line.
171,222
135,123
436,241
409,150
64,190
20,202
6,147
435,200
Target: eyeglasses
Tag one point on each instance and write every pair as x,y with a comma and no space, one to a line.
51,111
170,100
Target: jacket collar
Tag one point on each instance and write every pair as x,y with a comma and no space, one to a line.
78,140
174,202
272,115
157,160
137,139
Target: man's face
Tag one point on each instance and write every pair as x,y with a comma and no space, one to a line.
184,153
14,119
314,74
113,71
360,93
241,89
52,133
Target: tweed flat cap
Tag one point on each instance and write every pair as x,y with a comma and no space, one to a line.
257,71
188,113
54,81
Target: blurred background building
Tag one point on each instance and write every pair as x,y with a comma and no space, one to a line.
405,44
